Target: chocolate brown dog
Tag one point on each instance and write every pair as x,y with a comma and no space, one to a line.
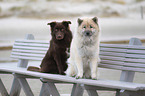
55,59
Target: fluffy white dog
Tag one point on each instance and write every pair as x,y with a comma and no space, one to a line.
84,51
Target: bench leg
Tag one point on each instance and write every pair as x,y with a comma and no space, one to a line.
44,91
91,91
16,88
24,84
3,90
52,89
133,93
77,90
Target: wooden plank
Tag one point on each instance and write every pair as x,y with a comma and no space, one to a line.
113,54
102,83
138,47
3,90
136,51
31,44
135,56
33,41
135,60
27,58
134,69
28,54
136,65
111,66
113,50
29,48
112,58
110,62
114,45
29,51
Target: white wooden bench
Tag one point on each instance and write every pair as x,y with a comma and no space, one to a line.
128,58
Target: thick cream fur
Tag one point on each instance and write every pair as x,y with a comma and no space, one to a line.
84,52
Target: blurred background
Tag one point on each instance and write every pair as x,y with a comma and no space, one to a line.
119,20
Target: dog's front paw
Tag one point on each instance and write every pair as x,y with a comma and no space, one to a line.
94,77
79,76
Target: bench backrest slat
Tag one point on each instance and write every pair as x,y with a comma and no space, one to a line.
27,58
114,56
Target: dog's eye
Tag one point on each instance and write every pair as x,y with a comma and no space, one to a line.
91,26
84,27
56,29
62,29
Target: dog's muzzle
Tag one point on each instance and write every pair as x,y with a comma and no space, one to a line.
88,33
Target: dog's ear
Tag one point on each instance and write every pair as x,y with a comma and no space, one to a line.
52,24
95,19
80,21
66,23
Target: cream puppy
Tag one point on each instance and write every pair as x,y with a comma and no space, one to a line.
84,51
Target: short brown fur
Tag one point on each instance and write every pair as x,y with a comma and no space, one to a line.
55,59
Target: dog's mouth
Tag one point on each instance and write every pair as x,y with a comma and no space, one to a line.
59,37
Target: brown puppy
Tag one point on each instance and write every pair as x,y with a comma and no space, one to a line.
56,57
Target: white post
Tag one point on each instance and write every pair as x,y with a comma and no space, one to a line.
141,11
22,62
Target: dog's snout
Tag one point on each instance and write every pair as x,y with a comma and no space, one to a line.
88,33
59,36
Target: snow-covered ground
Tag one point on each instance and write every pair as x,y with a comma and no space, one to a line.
111,28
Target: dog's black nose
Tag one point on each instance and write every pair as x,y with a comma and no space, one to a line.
88,33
